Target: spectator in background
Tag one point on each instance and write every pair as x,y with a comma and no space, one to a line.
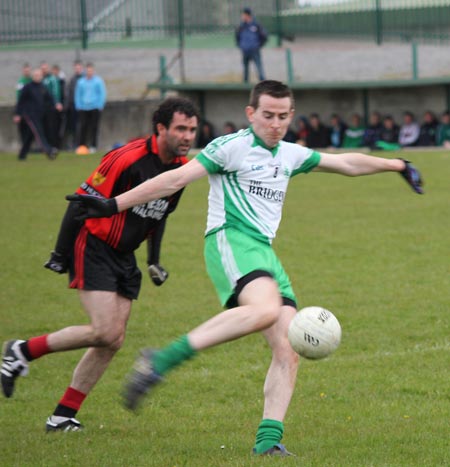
250,37
205,134
410,130
443,131
51,118
354,134
337,131
302,130
90,98
428,130
69,104
389,135
34,100
60,118
24,79
229,128
318,134
372,133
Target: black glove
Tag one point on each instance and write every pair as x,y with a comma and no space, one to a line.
57,263
157,274
412,177
88,206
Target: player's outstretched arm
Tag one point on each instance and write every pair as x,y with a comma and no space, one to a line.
357,164
158,187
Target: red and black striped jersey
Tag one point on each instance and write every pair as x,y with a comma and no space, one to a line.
121,170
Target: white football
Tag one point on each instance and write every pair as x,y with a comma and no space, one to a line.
314,332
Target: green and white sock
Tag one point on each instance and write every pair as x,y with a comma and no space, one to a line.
173,355
270,433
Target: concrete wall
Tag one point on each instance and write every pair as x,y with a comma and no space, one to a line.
220,106
128,119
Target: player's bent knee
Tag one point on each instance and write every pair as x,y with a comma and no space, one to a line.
109,338
269,315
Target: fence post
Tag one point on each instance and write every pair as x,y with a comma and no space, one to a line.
289,67
415,71
84,32
278,24
181,33
378,22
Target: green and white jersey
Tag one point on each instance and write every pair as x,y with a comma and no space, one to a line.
248,181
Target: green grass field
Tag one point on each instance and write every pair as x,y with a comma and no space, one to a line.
369,249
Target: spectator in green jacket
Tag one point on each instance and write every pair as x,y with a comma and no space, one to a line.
51,119
443,131
354,134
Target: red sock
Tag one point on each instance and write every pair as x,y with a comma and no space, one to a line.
37,346
72,398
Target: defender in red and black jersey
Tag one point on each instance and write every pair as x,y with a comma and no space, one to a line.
99,254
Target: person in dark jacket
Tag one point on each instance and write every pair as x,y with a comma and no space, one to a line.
319,134
34,100
250,37
69,104
373,131
428,129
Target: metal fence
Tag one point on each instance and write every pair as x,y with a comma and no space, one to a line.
198,22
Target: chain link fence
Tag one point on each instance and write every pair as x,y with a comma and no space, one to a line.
207,23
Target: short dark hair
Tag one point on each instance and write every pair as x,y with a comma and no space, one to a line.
272,88
247,11
164,113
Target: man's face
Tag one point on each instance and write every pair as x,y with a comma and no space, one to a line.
177,140
78,68
271,120
37,75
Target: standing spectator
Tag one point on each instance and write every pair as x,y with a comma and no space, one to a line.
373,131
33,102
250,37
24,79
389,135
354,134
337,131
319,134
60,118
428,129
409,131
229,128
51,116
443,131
21,82
90,97
69,104
205,134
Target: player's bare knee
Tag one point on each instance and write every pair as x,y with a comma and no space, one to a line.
269,314
112,338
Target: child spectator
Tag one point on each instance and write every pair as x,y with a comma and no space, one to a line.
319,134
337,131
389,135
302,130
373,131
205,134
229,128
410,130
428,129
354,134
443,131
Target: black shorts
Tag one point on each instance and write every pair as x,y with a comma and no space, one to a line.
97,266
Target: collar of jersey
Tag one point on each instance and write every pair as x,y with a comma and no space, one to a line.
257,141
